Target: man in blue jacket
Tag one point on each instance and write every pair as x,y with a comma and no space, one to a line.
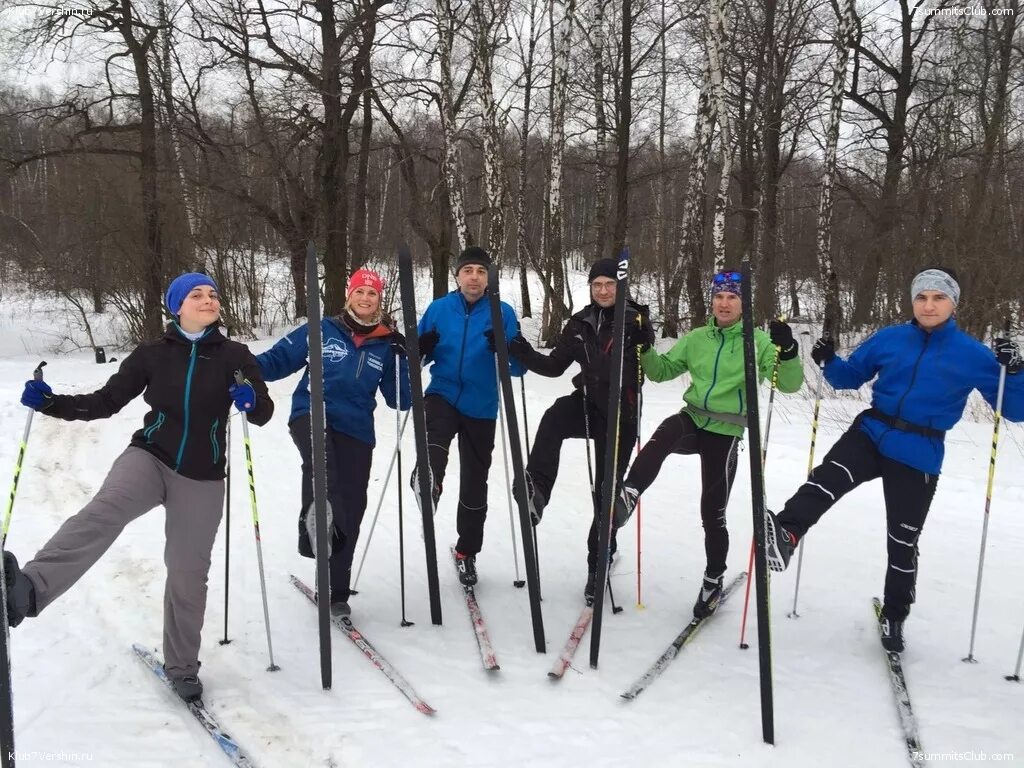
455,335
923,371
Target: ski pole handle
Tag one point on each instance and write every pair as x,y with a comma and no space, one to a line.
37,374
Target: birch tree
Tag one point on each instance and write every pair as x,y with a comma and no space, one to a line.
446,23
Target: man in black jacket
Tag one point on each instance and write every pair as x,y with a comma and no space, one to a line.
587,339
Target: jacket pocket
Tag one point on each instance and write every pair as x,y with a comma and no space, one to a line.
213,441
151,430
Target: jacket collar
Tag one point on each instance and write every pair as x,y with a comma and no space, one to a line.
212,335
732,330
948,328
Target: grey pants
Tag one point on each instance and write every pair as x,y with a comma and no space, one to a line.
136,483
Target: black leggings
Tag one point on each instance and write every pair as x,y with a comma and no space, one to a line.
908,493
348,474
678,434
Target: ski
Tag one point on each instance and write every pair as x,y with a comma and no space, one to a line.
424,491
899,689
611,458
198,710
476,617
344,623
760,575
508,400
6,689
681,640
318,428
565,658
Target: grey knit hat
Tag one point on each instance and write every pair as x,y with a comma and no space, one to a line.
935,280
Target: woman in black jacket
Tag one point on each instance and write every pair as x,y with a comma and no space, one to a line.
176,460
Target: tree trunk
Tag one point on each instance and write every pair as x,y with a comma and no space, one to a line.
826,268
717,46
452,156
524,144
601,127
494,172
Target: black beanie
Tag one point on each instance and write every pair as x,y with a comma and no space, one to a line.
474,254
606,267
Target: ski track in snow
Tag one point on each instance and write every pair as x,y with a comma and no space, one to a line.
82,699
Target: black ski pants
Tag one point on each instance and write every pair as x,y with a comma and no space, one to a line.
908,493
678,434
476,444
574,417
348,475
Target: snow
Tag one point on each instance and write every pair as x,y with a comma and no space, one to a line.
83,699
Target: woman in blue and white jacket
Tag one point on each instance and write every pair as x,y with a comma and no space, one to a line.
923,372
360,352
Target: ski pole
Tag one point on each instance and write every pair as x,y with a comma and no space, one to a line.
399,429
1015,677
227,518
227,525
37,375
396,454
639,517
526,432
239,379
764,457
810,467
518,582
611,596
988,505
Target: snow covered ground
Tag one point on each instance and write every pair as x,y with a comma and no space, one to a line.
82,699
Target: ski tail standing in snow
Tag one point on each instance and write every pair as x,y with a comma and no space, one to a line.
176,460
604,519
586,339
423,490
499,344
923,372
462,398
359,358
714,415
753,374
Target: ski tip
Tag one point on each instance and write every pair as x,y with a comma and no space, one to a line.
627,696
425,708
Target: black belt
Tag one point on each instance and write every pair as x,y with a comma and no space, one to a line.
905,426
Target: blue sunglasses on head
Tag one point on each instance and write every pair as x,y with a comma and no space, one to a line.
728,277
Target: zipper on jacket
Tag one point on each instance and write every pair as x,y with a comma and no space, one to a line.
362,359
188,393
462,349
213,439
714,373
913,375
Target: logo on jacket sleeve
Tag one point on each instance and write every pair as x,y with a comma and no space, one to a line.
335,351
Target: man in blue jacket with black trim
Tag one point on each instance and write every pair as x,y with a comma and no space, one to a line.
923,372
456,338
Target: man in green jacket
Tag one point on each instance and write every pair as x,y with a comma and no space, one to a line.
713,417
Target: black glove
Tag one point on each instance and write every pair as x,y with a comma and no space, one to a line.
428,342
640,331
823,351
398,344
782,337
489,335
520,348
1008,355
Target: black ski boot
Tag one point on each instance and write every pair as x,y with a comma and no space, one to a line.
466,565
625,504
189,688
21,592
709,597
435,492
340,609
892,633
590,588
779,543
534,498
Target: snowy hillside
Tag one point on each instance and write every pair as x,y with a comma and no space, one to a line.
82,699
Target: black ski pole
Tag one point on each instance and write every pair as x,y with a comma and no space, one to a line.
227,526
401,506
526,434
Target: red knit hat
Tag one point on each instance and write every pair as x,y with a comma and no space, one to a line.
365,277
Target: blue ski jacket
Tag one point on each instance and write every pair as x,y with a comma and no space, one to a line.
352,375
923,378
462,370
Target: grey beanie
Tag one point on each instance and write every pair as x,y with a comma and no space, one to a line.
935,280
